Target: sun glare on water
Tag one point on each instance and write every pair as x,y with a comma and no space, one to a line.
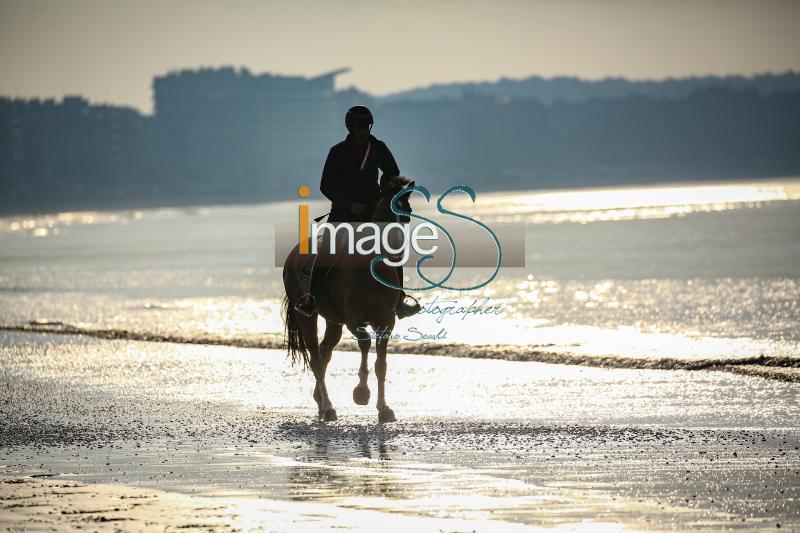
628,203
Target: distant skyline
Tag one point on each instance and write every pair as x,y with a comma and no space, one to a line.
109,50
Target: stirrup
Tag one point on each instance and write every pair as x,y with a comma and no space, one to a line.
404,310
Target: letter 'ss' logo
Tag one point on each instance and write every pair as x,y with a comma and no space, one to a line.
471,193
440,284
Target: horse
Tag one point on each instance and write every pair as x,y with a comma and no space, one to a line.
351,297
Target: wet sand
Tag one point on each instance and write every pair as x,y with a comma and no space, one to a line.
30,504
213,435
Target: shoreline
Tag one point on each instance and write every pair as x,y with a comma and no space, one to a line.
780,368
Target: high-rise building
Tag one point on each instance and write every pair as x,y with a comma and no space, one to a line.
219,129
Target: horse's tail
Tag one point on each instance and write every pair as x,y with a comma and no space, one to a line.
293,338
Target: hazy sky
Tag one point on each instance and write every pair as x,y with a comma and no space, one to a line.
109,50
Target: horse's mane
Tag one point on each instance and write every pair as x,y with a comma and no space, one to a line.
394,184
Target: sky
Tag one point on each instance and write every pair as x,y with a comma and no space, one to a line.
109,50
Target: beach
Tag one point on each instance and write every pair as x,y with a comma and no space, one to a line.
642,375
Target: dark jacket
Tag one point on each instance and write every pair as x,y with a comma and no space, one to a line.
343,182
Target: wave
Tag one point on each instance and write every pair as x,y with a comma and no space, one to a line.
779,368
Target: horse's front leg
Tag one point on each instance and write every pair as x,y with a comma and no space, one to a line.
385,413
333,332
361,392
324,405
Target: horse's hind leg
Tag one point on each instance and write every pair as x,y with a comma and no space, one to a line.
308,328
361,392
333,333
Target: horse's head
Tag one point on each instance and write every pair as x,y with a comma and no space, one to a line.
383,211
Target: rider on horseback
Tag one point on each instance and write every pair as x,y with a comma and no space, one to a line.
350,182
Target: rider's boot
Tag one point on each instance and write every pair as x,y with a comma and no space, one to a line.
403,309
307,304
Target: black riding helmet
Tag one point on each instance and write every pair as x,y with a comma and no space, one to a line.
358,114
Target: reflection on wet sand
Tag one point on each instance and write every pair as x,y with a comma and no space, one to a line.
321,478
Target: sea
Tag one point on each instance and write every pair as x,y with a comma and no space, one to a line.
663,276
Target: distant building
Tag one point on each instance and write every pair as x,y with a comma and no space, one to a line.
216,135
222,135
222,130
51,151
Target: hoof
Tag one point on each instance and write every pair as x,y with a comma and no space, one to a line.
329,415
361,395
386,415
